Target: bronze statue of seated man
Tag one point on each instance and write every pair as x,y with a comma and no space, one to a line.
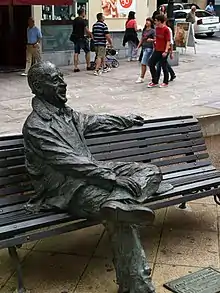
66,176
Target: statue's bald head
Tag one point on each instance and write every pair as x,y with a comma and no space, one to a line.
40,72
46,81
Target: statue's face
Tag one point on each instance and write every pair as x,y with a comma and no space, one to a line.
54,87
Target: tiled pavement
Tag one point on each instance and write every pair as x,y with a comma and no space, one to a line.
180,241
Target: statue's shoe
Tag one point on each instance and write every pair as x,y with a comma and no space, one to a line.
115,211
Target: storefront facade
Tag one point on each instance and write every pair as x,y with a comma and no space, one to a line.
56,30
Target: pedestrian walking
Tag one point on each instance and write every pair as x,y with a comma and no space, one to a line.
131,37
33,48
169,68
147,40
160,53
210,8
101,35
191,17
80,39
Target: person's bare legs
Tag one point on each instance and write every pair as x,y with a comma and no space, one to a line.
98,63
88,60
76,60
143,70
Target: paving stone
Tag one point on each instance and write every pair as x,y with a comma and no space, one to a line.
196,217
189,248
6,264
164,273
81,242
50,273
99,277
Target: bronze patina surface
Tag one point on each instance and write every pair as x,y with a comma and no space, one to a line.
66,176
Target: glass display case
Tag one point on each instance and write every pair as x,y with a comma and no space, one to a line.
63,12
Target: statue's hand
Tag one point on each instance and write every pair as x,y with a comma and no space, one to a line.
130,185
136,119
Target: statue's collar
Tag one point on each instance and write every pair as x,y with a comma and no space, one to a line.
46,110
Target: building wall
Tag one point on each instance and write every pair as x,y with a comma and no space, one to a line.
36,13
145,8
58,49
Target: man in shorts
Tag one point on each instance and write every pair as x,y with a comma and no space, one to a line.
80,39
100,37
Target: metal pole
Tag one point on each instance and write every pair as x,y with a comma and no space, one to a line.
170,16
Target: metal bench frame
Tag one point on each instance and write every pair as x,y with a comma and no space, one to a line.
175,144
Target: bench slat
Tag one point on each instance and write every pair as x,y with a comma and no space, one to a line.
189,172
190,158
185,189
11,143
18,189
140,135
14,199
146,142
158,155
150,125
183,166
13,170
194,178
5,153
155,151
32,224
15,161
14,179
21,216
12,208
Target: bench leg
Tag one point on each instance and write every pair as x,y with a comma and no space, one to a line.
183,206
13,254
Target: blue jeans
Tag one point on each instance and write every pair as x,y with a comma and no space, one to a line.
147,52
132,52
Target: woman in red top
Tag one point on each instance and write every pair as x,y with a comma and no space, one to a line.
131,36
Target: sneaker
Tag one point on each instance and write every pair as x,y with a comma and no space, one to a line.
151,84
135,59
97,72
139,80
76,70
172,78
106,69
24,74
164,84
89,68
129,59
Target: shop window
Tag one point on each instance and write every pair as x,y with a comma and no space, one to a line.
63,12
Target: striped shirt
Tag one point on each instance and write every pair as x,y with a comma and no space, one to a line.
99,31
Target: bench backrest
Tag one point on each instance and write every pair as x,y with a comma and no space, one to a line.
174,144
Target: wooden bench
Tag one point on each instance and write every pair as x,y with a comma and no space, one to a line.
174,144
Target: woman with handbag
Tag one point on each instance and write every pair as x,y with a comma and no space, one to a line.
131,37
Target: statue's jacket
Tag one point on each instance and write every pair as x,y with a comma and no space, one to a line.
57,157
